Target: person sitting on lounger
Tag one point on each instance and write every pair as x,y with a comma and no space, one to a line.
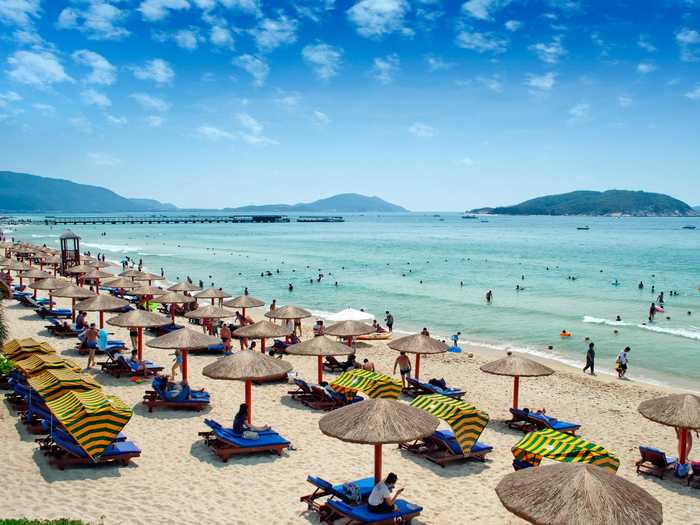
349,363
81,321
241,425
380,500
368,365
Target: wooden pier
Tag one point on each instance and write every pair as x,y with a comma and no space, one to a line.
320,218
165,219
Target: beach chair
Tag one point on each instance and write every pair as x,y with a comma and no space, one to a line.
29,301
654,462
225,443
278,347
62,452
186,398
113,345
162,330
442,448
63,313
124,367
331,364
361,515
56,328
303,390
415,388
694,473
352,493
527,421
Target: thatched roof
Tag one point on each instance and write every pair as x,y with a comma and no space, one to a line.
676,410
210,312
262,329
147,290
16,266
289,312
418,344
148,277
96,273
212,293
577,494
378,421
516,365
184,287
139,319
74,292
184,339
121,282
247,365
320,345
80,268
131,273
35,273
349,329
244,301
174,298
51,283
101,303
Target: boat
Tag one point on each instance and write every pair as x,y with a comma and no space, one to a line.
376,336
469,216
584,228
688,227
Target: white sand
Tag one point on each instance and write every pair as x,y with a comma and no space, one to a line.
178,480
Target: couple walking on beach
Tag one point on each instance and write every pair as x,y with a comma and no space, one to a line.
620,362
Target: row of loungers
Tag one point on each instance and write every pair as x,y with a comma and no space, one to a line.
320,398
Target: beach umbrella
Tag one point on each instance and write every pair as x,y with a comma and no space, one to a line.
288,312
247,366
420,345
123,283
173,298
681,411
213,293
349,329
54,261
103,264
17,266
577,494
102,304
131,273
516,366
184,340
262,330
184,287
79,271
147,291
350,314
96,275
210,312
139,319
319,346
49,284
150,277
378,422
73,292
35,274
243,302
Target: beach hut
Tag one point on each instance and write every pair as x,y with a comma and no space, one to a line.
373,384
37,363
418,344
139,319
247,366
350,314
516,367
262,330
213,293
320,347
210,312
349,329
53,383
184,340
378,422
243,302
73,292
173,298
102,304
562,447
575,494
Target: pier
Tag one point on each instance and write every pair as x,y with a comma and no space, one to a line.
166,219
320,218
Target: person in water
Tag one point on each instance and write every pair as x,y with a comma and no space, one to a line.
652,312
590,359
489,296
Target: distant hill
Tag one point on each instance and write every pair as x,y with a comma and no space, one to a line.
596,203
21,192
697,208
343,203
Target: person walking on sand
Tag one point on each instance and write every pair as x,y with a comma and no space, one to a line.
590,359
404,364
389,320
455,339
225,334
621,362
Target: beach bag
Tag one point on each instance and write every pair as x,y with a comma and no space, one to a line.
352,493
249,434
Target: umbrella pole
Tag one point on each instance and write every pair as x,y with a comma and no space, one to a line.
349,342
262,345
97,286
243,322
417,366
102,319
319,365
683,445
212,301
377,463
248,400
516,386
140,343
34,293
184,365
172,313
50,300
72,308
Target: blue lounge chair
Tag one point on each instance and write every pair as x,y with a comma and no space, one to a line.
442,448
113,345
63,452
528,421
185,398
225,443
121,366
361,515
415,388
63,313
55,327
654,462
166,329
362,488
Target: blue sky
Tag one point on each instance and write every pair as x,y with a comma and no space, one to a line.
432,105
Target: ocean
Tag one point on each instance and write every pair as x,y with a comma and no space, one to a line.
412,265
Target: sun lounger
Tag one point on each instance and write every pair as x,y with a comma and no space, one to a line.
113,345
225,443
63,313
528,421
654,462
415,388
331,364
357,496
56,328
62,452
442,448
31,302
694,473
303,390
166,329
121,366
186,398
361,515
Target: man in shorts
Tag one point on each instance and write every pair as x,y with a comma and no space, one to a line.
91,335
404,365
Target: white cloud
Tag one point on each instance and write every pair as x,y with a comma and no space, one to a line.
421,130
9,97
288,99
513,25
255,67
492,83
646,68
44,109
467,162
384,68
687,40
221,36
157,70
481,42
213,133
19,12
117,121
99,20
154,10
252,132
624,101
321,118
549,53
150,102
541,82
644,42
694,94
324,59
273,33
186,39
102,71
154,121
314,10
579,114
436,63
81,124
39,69
104,160
92,97
483,9
28,37
376,18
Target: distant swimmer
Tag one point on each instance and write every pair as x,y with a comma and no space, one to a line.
652,312
616,283
618,318
641,285
489,296
564,333
290,287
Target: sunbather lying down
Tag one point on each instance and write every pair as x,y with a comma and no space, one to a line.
241,425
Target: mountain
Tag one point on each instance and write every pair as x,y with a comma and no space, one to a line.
21,192
696,208
596,203
343,203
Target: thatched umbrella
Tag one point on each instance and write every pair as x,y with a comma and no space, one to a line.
319,346
79,271
247,366
577,494
131,273
262,330
96,275
103,264
681,411
516,366
139,319
210,312
349,329
184,287
288,312
420,345
102,304
17,267
147,291
378,422
52,260
35,274
243,302
213,293
173,298
184,340
73,292
122,283
50,284
149,277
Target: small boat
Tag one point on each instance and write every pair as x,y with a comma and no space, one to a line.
584,228
688,227
469,216
483,220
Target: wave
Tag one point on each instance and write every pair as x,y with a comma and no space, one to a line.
598,320
35,236
143,254
121,248
678,332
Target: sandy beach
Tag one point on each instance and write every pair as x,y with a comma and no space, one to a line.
178,480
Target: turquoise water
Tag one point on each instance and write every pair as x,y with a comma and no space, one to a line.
379,262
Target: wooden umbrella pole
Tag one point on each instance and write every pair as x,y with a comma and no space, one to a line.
319,365
262,345
516,387
377,463
72,308
249,400
417,367
140,343
102,319
184,365
683,444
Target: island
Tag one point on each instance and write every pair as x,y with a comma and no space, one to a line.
342,203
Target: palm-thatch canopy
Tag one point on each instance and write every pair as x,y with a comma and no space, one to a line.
74,292
80,268
676,410
212,293
174,298
96,273
101,303
184,339
184,287
349,329
17,266
35,273
418,344
262,329
148,277
516,365
131,273
577,494
210,312
139,319
103,264
320,345
122,282
147,290
247,366
288,312
244,301
51,283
